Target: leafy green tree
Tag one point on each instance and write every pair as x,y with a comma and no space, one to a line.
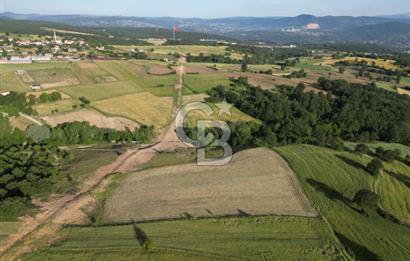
244,66
362,149
366,198
375,167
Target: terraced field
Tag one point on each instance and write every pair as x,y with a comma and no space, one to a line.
331,179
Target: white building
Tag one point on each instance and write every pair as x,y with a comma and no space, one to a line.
19,60
42,58
35,87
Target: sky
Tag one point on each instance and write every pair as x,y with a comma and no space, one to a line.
208,8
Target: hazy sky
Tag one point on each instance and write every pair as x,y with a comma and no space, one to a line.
208,8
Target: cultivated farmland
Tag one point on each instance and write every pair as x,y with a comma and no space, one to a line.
331,179
260,183
96,92
247,238
200,83
141,107
52,78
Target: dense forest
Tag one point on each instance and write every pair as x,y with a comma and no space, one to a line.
252,55
351,112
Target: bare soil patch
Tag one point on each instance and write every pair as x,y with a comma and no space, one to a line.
159,70
256,182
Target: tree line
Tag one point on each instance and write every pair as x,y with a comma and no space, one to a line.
351,112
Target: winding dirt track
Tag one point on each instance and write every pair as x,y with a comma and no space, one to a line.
68,209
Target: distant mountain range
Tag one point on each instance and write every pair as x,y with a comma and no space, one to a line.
388,29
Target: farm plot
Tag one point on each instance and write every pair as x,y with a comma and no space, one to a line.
52,78
45,109
141,107
194,98
160,85
90,73
236,116
196,84
154,68
102,91
248,238
199,69
256,182
331,179
384,63
95,118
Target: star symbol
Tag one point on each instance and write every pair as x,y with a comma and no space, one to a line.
224,108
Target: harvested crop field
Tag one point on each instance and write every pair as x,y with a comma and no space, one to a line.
94,117
141,107
198,69
256,182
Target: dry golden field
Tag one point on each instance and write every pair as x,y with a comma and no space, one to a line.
141,107
256,182
387,64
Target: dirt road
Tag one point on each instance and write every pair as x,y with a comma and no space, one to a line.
68,209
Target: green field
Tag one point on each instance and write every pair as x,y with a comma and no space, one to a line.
9,81
312,64
96,92
405,150
331,180
90,73
46,109
52,75
263,238
161,85
83,163
200,83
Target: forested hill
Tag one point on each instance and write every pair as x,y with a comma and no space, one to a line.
110,35
219,25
